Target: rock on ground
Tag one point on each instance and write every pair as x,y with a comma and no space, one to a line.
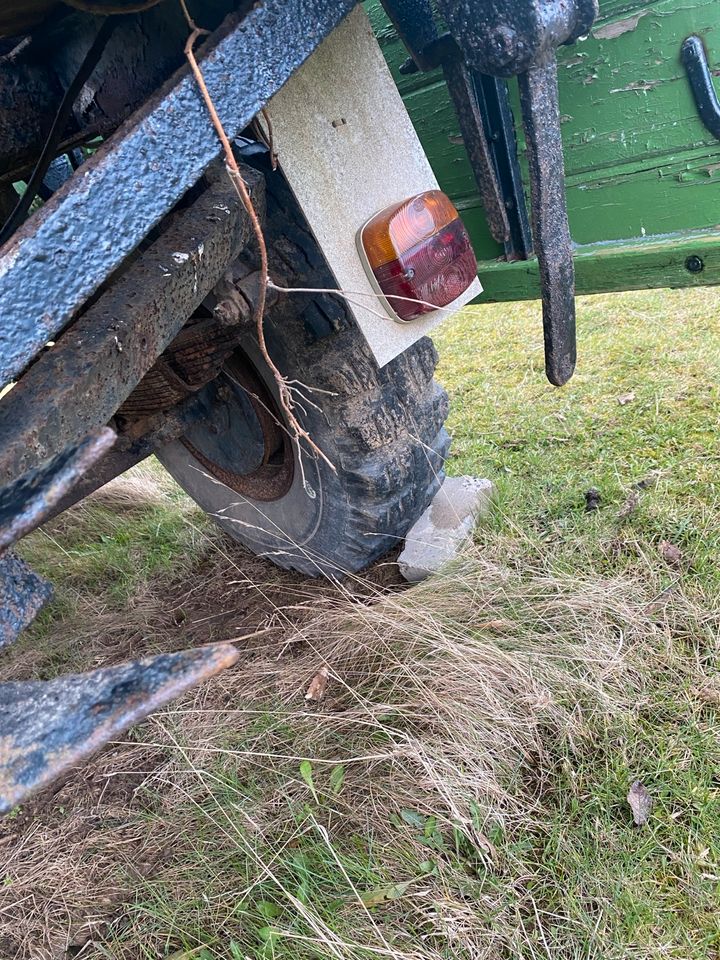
448,522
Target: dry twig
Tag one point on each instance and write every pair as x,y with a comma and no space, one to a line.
285,389
266,135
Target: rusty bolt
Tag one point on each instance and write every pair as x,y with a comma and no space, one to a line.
237,298
232,311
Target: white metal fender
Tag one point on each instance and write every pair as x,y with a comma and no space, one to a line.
348,149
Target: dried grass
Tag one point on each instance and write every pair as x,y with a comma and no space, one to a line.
459,700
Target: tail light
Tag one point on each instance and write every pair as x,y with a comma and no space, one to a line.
418,249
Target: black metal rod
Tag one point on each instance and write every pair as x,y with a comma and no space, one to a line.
462,92
494,104
551,231
695,62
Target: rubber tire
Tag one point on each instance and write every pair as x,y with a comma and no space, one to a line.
382,429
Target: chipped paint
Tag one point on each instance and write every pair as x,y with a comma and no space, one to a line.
625,155
47,727
639,85
612,30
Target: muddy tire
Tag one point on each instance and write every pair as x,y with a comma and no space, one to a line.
382,429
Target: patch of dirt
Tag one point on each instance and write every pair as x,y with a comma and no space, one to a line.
234,596
75,848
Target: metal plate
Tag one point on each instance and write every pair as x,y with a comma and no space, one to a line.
348,149
48,727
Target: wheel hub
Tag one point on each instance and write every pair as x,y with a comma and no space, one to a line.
243,442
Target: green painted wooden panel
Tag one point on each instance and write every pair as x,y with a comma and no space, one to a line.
604,267
639,162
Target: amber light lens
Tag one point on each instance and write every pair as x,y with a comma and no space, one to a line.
419,249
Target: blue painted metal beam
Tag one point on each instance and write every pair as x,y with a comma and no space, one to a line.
48,727
68,248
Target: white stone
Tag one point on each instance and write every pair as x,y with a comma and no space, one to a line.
449,521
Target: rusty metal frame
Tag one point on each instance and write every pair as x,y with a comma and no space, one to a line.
80,384
23,594
68,248
514,38
26,504
47,727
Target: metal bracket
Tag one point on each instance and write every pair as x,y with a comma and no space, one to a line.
27,503
494,103
519,38
462,90
512,39
551,230
694,58
483,109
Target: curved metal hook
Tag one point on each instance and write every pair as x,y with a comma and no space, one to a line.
695,62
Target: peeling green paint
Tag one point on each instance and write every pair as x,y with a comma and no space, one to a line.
639,162
616,28
604,267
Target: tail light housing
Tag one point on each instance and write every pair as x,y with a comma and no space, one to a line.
418,249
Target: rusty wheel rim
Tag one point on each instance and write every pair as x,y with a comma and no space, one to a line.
272,478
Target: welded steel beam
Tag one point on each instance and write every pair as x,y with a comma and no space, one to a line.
69,247
80,383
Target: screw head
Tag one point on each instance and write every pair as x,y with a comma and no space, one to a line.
694,264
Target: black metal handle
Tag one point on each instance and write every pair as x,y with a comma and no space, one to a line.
550,228
694,60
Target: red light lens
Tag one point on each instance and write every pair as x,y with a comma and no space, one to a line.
419,249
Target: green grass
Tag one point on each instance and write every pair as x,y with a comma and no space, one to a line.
627,892
545,447
109,552
110,561
461,794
